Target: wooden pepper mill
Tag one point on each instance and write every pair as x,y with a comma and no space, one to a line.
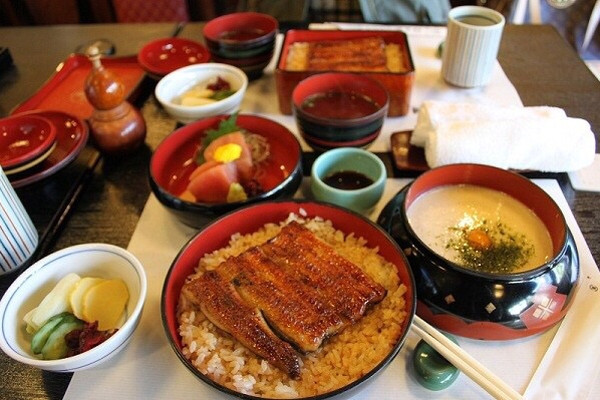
116,126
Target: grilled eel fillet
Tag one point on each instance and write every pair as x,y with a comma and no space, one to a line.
295,284
361,54
295,311
316,264
222,305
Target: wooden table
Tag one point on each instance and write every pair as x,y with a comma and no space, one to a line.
102,198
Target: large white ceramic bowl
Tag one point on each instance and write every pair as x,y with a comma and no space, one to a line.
169,90
27,291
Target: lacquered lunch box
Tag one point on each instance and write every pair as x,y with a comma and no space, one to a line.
398,84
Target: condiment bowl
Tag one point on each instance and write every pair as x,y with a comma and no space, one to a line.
87,260
244,39
481,303
349,177
162,56
172,163
339,109
173,86
252,218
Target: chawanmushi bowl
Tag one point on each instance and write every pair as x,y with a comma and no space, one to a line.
250,219
485,305
339,110
173,162
244,39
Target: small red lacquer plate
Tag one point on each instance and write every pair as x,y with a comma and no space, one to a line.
71,136
163,56
24,138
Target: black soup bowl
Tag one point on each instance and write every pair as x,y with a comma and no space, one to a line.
485,304
337,109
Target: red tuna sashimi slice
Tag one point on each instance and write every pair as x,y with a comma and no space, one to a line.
202,167
212,185
244,163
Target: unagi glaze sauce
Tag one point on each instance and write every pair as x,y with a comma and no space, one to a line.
339,105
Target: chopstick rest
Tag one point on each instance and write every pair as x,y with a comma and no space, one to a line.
432,370
463,361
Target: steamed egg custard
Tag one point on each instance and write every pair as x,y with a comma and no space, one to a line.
481,229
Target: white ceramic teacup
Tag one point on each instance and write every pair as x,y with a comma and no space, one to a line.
471,47
18,236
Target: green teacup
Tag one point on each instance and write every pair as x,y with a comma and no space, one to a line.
349,177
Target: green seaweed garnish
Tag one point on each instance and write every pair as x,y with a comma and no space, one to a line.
225,126
510,250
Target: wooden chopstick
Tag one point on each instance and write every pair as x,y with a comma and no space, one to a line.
463,361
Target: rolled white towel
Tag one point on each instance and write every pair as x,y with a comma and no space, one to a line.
434,114
548,144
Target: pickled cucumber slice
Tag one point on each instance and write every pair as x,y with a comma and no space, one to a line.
41,336
56,345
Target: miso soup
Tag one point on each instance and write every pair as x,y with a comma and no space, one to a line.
480,229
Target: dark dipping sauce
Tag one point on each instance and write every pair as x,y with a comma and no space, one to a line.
339,105
242,35
348,180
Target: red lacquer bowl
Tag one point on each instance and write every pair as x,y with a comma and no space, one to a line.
255,29
24,138
173,162
482,305
250,219
163,56
353,131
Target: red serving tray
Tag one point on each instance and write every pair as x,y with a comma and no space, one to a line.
64,90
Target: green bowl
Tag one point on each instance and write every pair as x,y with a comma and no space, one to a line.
354,160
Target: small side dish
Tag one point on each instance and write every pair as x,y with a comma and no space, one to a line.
183,93
228,160
76,315
80,263
349,177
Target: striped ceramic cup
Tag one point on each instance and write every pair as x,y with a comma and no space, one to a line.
18,236
471,46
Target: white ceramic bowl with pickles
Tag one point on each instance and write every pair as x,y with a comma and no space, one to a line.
95,260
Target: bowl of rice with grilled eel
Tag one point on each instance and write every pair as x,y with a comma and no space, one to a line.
288,299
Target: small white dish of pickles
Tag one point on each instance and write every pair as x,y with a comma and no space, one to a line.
73,309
